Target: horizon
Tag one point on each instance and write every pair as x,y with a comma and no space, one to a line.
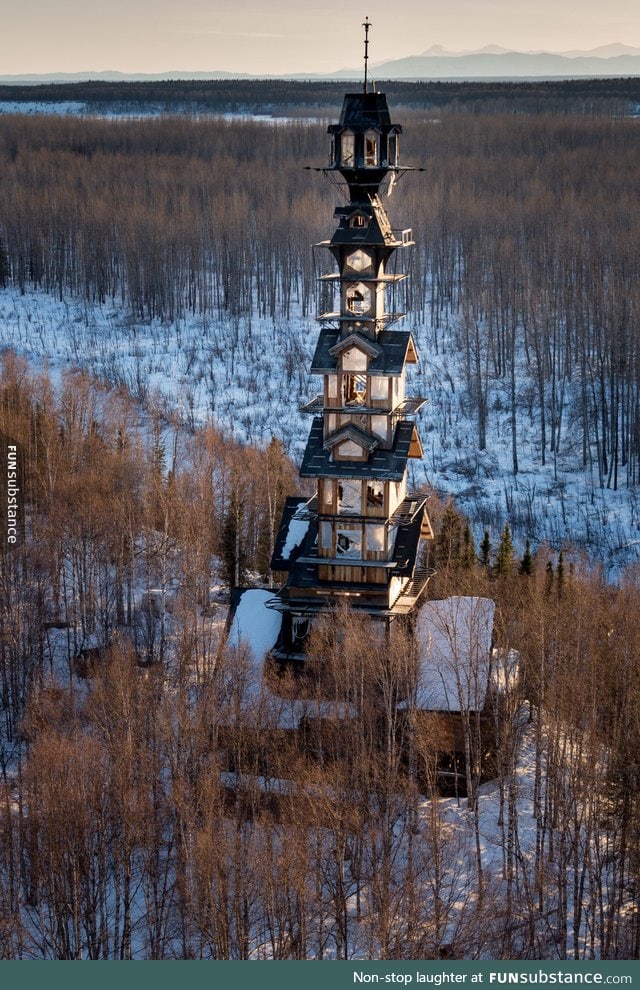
290,37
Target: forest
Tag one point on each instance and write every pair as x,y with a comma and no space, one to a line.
120,836
296,97
525,267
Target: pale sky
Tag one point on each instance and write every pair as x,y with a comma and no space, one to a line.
287,36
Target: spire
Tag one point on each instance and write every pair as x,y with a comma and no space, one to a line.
366,25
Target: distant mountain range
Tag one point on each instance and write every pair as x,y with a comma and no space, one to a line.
490,62
494,62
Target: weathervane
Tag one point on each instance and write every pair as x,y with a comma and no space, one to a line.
366,25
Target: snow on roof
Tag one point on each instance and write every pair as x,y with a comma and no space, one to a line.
298,528
454,643
257,627
254,625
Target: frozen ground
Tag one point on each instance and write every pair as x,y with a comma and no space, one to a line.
249,375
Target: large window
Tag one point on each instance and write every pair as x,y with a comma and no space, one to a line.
350,496
358,261
371,148
354,390
349,543
375,538
375,494
347,148
379,387
358,299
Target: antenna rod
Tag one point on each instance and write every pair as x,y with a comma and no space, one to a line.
366,26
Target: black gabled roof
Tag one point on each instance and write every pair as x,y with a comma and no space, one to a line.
394,344
385,465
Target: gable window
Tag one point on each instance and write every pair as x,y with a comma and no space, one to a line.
354,360
359,220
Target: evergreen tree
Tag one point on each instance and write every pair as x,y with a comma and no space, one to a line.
485,549
560,574
526,564
549,578
506,553
468,548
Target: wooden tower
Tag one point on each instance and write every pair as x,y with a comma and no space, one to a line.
357,540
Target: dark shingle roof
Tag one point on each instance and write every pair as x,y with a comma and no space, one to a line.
391,361
387,465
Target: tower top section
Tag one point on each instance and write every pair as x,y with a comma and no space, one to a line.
366,26
360,111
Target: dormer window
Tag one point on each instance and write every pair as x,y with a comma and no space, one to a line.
347,148
354,360
359,220
371,148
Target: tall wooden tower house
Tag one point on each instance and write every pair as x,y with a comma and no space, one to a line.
357,540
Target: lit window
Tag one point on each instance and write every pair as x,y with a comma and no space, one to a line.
359,220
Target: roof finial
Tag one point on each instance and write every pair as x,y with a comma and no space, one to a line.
366,25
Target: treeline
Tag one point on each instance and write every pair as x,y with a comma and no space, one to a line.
593,96
526,266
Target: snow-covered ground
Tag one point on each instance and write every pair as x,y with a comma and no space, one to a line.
250,375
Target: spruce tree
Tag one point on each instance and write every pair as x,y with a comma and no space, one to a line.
526,564
468,548
506,553
485,549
